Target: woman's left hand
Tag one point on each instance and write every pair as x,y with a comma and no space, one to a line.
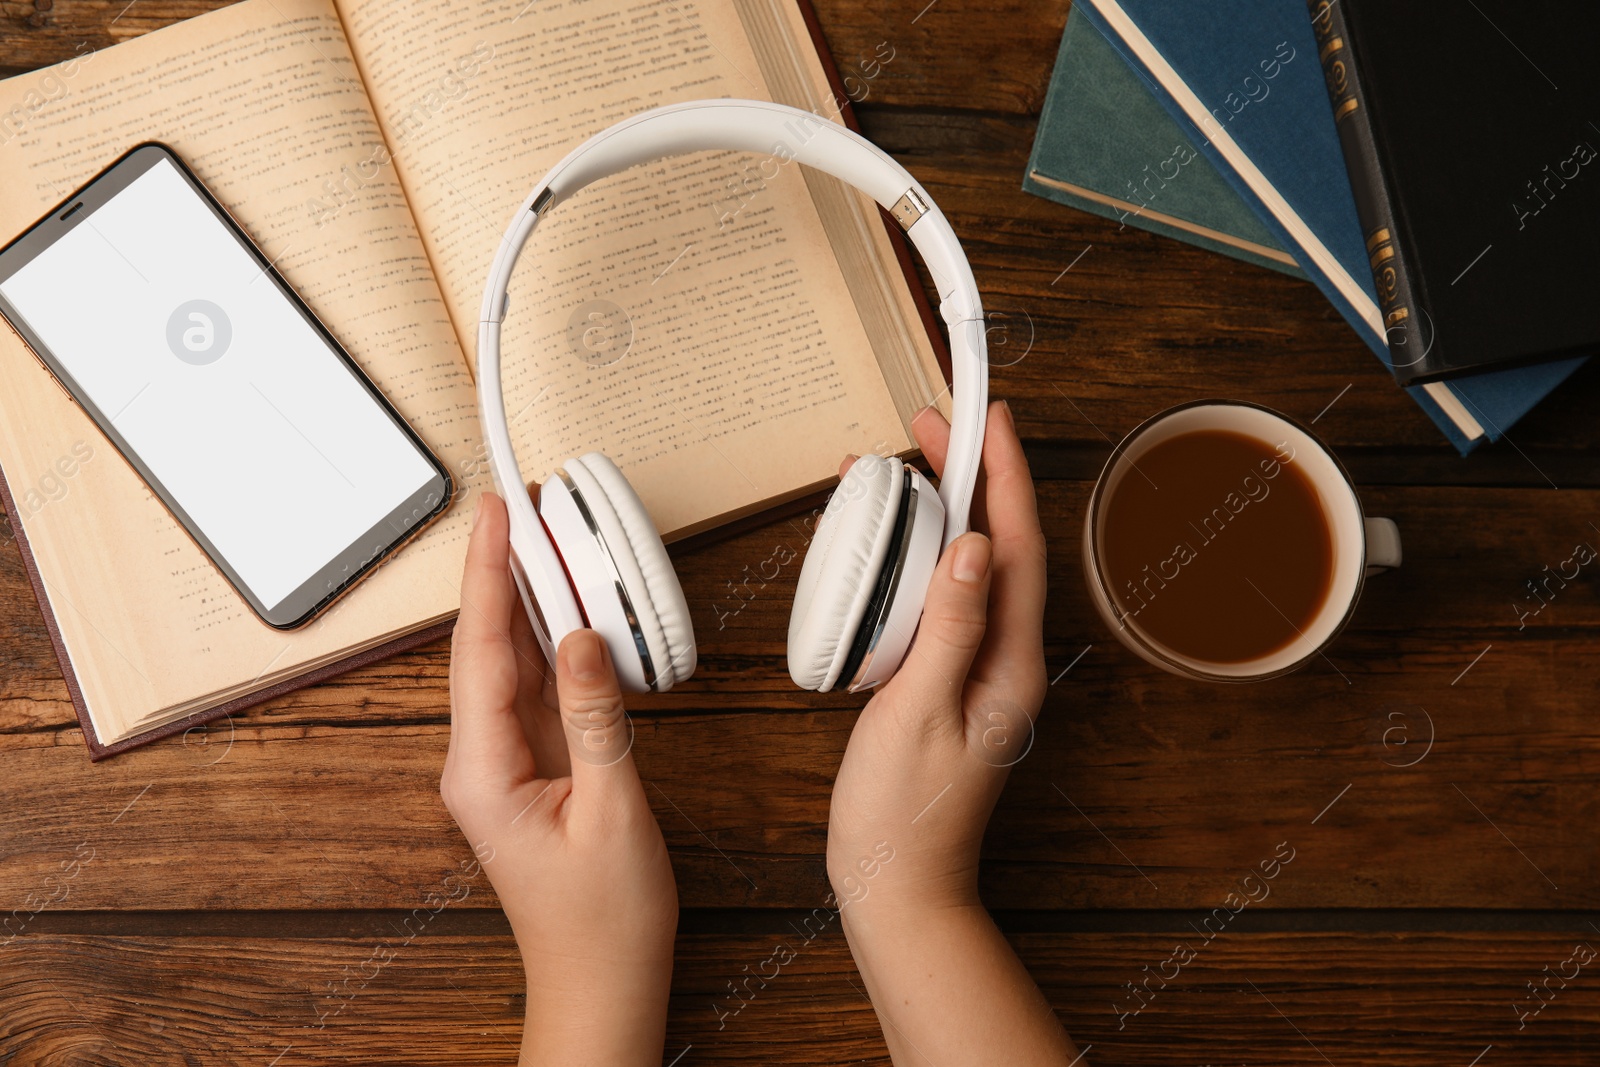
540,778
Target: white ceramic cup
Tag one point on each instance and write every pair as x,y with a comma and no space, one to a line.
1361,546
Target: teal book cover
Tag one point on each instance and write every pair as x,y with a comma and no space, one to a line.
1106,145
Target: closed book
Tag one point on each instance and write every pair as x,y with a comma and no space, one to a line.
1106,145
1473,163
1245,79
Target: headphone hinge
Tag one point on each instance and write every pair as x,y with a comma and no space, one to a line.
908,209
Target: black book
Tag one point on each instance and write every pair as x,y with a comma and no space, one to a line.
1471,132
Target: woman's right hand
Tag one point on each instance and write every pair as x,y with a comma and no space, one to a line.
931,750
920,776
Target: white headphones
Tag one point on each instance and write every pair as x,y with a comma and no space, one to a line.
589,556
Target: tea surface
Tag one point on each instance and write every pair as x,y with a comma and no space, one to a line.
1216,546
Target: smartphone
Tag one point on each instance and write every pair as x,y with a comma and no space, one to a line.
158,315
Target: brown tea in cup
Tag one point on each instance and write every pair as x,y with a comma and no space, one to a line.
1224,542
1217,544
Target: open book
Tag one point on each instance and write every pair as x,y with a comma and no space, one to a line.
725,331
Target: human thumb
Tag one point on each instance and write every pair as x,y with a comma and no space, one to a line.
954,618
598,730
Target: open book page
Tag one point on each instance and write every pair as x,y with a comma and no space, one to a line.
263,100
889,312
689,317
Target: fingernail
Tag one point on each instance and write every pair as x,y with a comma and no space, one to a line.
851,456
477,511
1010,418
972,558
585,658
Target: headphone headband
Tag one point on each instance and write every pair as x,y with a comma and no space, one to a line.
788,134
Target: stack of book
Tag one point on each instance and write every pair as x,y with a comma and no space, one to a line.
1449,226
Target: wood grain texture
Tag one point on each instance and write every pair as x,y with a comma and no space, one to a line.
1287,999
1140,790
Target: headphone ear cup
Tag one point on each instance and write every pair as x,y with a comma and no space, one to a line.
660,610
851,547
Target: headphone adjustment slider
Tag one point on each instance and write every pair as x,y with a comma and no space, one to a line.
908,209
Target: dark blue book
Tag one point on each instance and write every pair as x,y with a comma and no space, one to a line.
1105,145
1243,77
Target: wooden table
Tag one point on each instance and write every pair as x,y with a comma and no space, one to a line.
1436,780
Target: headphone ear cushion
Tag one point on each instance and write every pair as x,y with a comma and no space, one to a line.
850,549
648,578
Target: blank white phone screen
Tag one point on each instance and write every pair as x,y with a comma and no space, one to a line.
234,402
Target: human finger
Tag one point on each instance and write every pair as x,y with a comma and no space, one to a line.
599,733
537,703
954,620
933,436
1017,623
485,733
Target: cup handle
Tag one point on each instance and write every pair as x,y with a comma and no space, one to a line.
1383,545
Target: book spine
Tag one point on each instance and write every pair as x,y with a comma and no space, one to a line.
1396,301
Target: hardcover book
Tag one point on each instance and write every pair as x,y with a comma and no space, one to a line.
1244,77
1105,145
375,151
1480,209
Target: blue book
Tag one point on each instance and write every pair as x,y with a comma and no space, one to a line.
1243,77
1105,145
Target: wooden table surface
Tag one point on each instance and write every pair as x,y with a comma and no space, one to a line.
1437,779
